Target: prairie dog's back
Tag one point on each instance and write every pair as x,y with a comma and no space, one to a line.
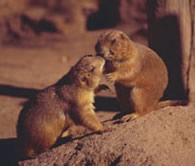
153,70
41,122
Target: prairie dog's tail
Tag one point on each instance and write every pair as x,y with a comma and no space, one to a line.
166,103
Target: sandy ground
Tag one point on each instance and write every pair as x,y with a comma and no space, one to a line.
162,138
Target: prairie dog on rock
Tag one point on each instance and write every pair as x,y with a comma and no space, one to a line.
139,74
56,108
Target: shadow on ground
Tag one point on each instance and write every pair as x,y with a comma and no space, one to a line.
17,91
9,152
106,104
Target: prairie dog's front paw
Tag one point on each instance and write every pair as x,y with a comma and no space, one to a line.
111,77
105,129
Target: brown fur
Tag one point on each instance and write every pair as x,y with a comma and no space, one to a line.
58,107
139,74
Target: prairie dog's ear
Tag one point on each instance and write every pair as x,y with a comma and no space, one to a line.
124,36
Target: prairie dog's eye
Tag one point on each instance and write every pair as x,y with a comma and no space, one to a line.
92,69
113,41
89,55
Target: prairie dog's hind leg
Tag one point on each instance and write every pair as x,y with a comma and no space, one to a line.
141,101
129,117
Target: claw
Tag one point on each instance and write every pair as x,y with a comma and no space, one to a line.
110,77
129,117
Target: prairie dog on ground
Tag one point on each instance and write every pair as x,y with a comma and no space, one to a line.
58,107
140,76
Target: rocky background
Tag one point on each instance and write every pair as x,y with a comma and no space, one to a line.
39,41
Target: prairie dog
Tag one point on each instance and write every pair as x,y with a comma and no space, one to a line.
139,74
56,108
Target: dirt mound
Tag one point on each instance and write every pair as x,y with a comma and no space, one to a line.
165,137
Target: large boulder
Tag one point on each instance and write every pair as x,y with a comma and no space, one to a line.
164,137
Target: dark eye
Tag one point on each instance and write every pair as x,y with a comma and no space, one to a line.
113,41
92,69
89,55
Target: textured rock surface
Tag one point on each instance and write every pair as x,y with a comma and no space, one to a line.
165,137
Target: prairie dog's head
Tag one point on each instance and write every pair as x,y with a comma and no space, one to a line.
114,45
88,71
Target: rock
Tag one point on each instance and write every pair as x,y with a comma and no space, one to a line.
164,137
